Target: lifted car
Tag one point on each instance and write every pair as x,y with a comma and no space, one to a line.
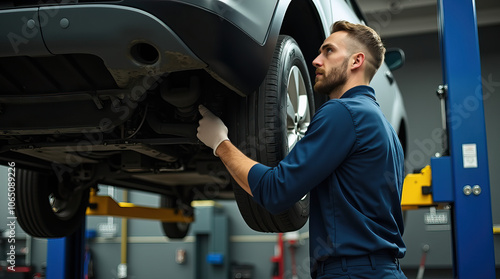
106,92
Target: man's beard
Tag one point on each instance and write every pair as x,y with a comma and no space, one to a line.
333,81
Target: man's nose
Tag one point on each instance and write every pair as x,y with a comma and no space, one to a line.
317,62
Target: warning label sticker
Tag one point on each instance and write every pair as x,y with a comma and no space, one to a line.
469,152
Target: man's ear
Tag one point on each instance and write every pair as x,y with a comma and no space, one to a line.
357,60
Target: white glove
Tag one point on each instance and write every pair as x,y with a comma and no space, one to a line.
212,131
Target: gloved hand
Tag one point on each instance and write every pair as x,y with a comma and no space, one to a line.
212,131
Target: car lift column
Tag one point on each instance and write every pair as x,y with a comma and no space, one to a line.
473,255
65,256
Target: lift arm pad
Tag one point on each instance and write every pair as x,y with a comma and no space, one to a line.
416,190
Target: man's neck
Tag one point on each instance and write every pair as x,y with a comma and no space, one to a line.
337,94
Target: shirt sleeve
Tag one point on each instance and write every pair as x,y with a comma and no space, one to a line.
329,140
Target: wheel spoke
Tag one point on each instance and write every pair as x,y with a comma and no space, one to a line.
297,80
294,86
292,140
290,113
303,108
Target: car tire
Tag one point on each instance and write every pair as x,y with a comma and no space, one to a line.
176,230
40,209
270,122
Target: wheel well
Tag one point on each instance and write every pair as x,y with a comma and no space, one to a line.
302,23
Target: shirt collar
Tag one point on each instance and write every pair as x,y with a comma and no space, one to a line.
359,90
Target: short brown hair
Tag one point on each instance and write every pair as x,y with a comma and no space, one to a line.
367,37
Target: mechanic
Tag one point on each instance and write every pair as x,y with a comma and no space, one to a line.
350,161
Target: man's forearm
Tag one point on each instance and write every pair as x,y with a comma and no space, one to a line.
236,163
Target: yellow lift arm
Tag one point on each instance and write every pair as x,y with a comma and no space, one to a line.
496,229
106,206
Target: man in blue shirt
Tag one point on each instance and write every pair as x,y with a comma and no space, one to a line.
350,161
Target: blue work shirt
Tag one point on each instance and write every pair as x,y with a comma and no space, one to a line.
351,162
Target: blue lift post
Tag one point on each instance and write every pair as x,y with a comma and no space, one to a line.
65,256
473,251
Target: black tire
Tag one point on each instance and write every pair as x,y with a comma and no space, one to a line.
265,126
37,196
177,230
